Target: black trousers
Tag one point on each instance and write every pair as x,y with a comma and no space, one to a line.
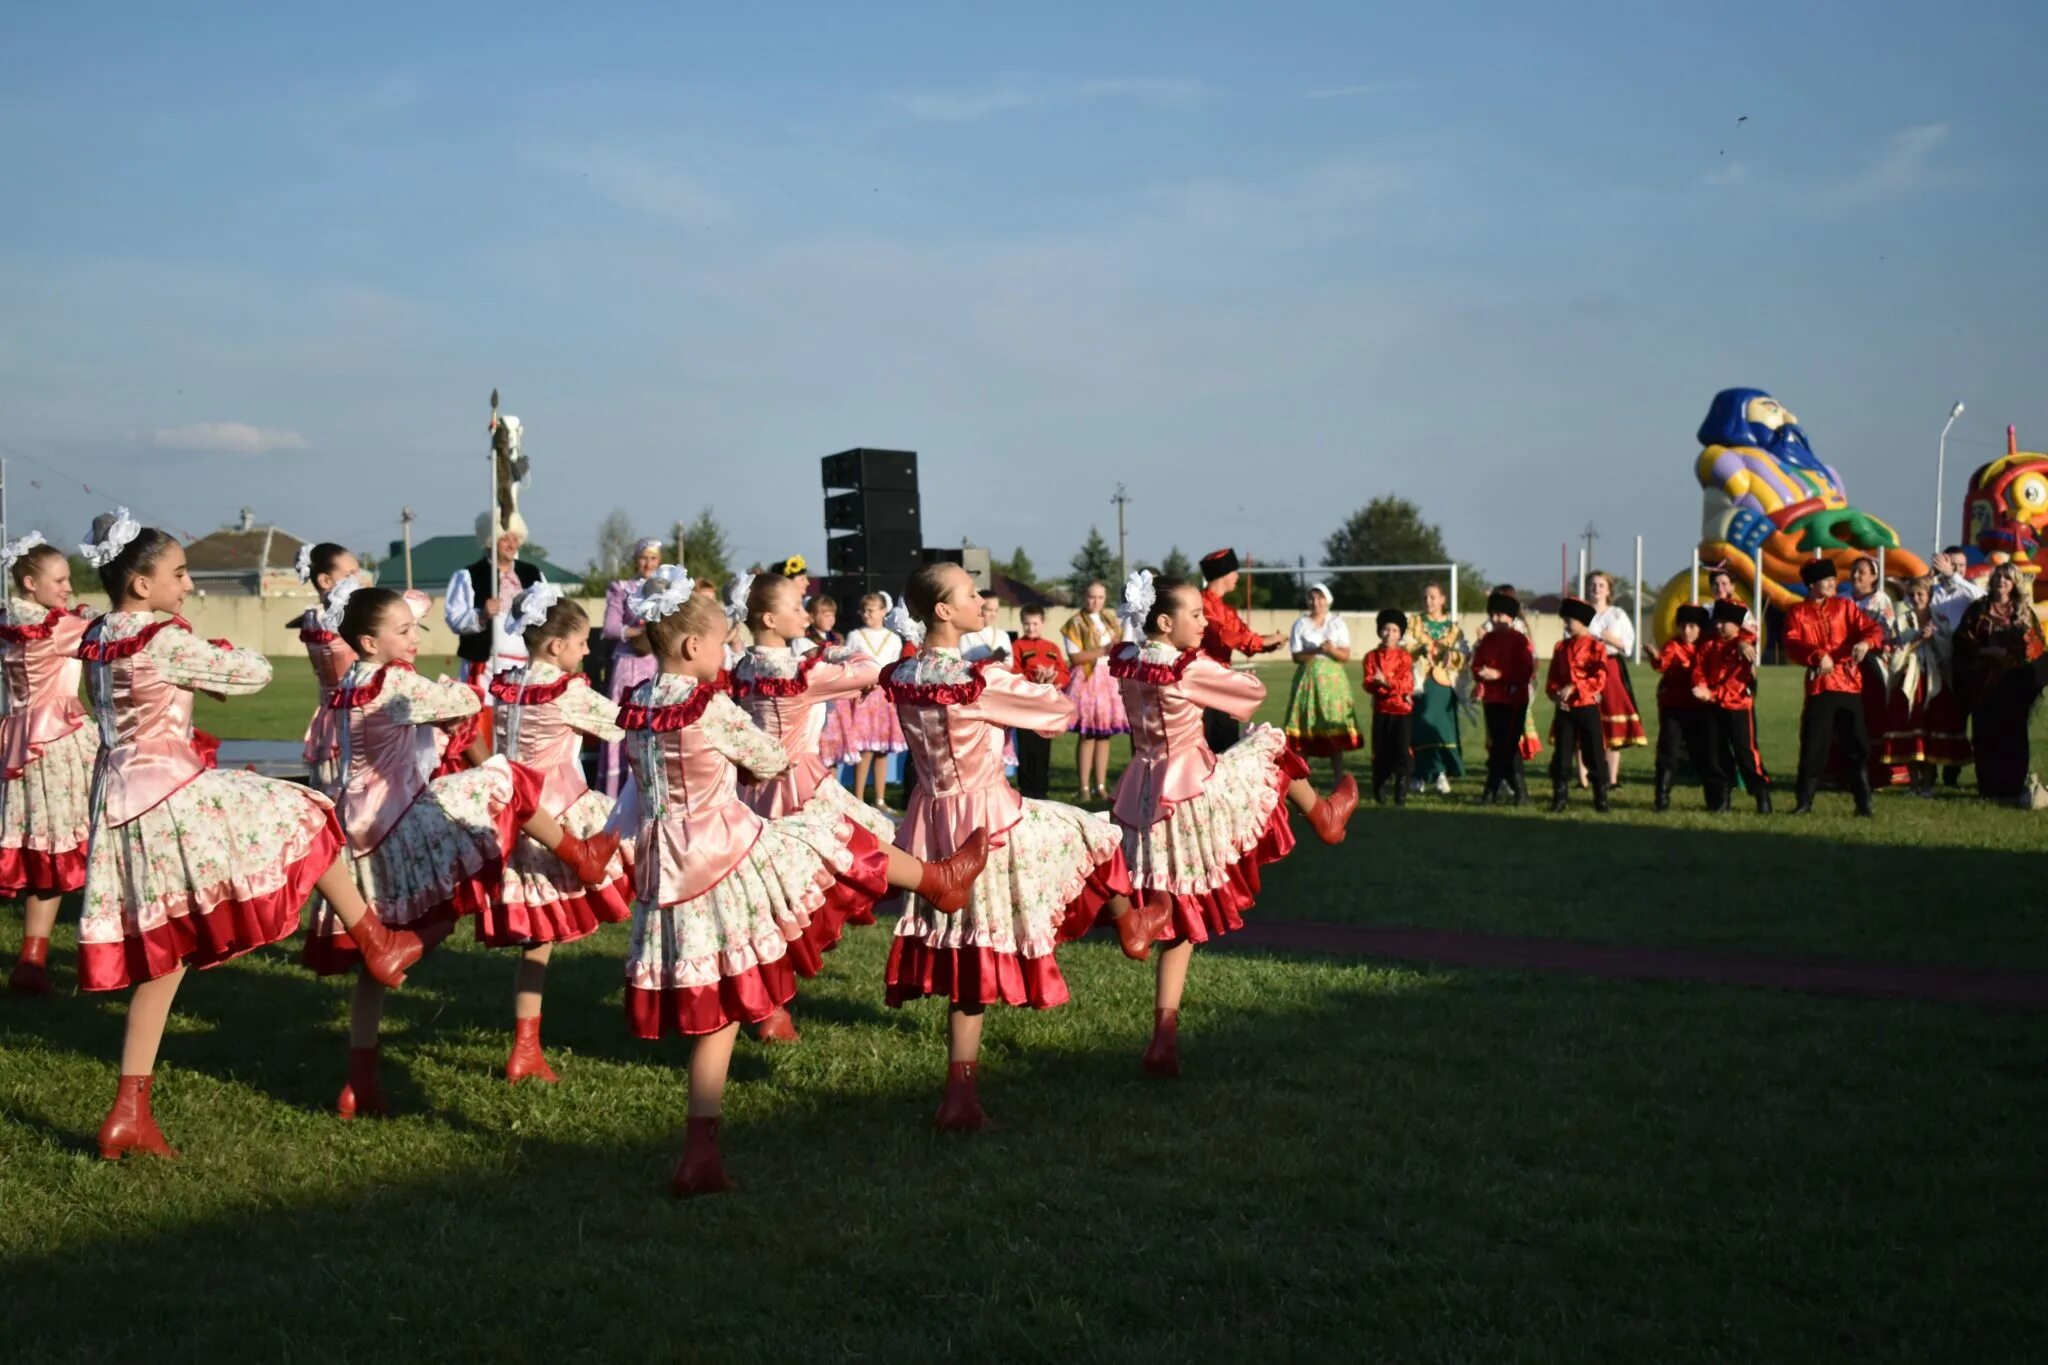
1577,730
1734,752
1504,721
1392,755
1221,730
1034,764
1832,718
1682,734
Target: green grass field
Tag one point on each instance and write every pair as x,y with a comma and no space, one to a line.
1362,1162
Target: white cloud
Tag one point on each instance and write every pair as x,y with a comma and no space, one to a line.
1345,92
635,181
1901,167
961,106
1729,174
229,438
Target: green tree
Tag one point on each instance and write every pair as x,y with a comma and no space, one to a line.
1095,561
1018,568
1177,565
705,549
1390,530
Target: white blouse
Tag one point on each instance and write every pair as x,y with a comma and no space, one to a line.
1614,619
1307,636
883,645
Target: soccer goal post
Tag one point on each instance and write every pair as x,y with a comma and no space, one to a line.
1313,572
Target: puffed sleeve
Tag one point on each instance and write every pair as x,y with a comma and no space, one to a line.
733,733
1297,636
614,609
1338,634
590,712
187,661
432,702
1214,687
460,608
836,678
1013,702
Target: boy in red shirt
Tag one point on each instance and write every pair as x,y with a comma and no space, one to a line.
1724,677
1577,677
1682,719
1040,660
1504,665
1390,682
1829,635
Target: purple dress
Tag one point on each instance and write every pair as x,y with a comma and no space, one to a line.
629,670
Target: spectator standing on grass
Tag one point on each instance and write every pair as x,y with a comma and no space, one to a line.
1322,715
1621,720
1503,666
1953,594
479,593
1577,681
1924,716
1439,649
1040,659
1830,637
1089,635
1999,664
1389,673
1866,590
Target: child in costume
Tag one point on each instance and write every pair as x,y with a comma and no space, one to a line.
1089,635
785,694
824,631
721,894
1322,716
1682,721
1197,828
546,708
1577,681
1503,666
1390,682
1830,636
1724,678
46,750
1040,659
428,850
189,865
1051,868
324,567
866,730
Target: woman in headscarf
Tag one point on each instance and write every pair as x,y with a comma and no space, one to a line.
1322,713
1440,653
632,664
1999,667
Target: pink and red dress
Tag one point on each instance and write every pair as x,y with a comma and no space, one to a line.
47,747
724,899
190,865
1621,721
1924,717
543,716
1050,867
1195,826
1098,704
628,671
428,850
865,725
330,656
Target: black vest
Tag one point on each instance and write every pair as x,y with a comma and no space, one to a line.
483,585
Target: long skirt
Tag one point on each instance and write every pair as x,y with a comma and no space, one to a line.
1920,730
1435,738
1621,721
1998,726
46,817
1322,713
1098,704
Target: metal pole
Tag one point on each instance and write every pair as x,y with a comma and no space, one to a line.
1880,568
1637,653
1123,565
1756,601
1582,573
1454,591
1941,472
491,549
405,521
1695,575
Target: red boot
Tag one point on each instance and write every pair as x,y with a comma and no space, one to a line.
527,1059
1162,1057
31,972
364,1094
700,1171
590,859
1149,917
776,1028
960,1111
387,953
130,1127
1333,812
949,883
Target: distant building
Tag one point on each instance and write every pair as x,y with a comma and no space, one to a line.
248,559
1012,593
436,559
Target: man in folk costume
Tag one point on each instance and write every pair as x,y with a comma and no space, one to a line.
1226,634
1829,636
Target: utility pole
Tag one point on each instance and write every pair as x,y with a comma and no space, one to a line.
1122,499
405,520
679,542
1591,533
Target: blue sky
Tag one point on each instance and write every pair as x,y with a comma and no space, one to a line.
1259,263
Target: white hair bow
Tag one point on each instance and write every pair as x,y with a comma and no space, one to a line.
531,607
899,619
303,565
1138,597
736,598
662,595
337,601
101,553
13,550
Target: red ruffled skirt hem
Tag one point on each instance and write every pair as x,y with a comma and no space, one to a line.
202,939
748,998
31,871
850,899
1201,916
971,976
558,921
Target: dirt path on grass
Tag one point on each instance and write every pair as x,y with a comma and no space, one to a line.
1998,988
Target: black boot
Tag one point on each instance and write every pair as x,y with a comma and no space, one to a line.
1804,805
1490,793
1713,799
1663,787
1763,800
1559,797
1518,783
1859,786
1400,790
1600,806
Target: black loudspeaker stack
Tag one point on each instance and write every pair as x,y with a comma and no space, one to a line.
873,530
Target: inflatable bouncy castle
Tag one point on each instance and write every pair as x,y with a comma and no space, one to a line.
1770,500
2005,516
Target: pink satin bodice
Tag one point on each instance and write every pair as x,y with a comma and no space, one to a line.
953,716
331,657
783,695
391,754
695,828
1164,695
42,680
151,754
546,742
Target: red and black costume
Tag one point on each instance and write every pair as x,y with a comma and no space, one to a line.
1390,682
1576,682
1831,628
1682,718
1724,669
1039,660
1504,700
1225,634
